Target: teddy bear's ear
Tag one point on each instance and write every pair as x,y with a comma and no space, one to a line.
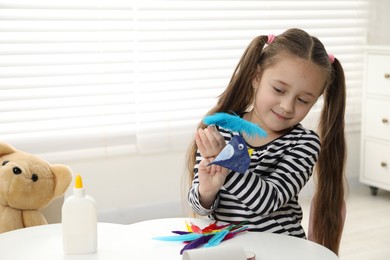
6,149
63,178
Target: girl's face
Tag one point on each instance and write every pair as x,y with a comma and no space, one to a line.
285,93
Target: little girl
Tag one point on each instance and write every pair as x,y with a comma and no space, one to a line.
275,84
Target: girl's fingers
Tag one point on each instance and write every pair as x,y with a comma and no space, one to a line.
220,141
218,169
212,170
209,141
199,143
204,137
213,137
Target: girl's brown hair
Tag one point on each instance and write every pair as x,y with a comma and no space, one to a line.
239,96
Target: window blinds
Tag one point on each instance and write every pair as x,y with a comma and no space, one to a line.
95,78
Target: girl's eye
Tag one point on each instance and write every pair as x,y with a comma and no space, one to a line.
300,100
278,90
240,146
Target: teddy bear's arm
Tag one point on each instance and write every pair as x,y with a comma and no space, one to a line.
10,219
33,218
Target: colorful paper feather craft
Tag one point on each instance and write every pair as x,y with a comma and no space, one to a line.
209,236
234,123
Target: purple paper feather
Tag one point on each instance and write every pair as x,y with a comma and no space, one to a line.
180,232
196,243
234,123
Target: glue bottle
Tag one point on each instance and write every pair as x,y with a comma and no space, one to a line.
79,222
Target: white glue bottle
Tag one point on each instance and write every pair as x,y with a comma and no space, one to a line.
79,222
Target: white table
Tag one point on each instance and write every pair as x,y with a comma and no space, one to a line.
116,242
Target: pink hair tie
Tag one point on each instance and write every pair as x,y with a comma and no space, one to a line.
271,38
331,58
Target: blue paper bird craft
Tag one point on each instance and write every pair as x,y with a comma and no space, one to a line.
236,155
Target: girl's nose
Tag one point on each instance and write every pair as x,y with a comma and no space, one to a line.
287,104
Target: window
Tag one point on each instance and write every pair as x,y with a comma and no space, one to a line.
98,78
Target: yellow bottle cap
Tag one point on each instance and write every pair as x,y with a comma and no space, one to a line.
79,182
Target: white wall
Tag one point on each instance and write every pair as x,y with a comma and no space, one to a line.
379,33
130,184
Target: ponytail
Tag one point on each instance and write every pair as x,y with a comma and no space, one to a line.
328,201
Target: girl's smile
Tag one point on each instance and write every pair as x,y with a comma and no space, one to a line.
280,116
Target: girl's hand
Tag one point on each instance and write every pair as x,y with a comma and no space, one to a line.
211,179
210,142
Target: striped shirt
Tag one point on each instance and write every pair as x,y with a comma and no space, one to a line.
266,195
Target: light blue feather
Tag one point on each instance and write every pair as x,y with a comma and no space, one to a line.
217,238
185,237
234,123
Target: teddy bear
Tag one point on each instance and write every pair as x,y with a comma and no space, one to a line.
27,184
